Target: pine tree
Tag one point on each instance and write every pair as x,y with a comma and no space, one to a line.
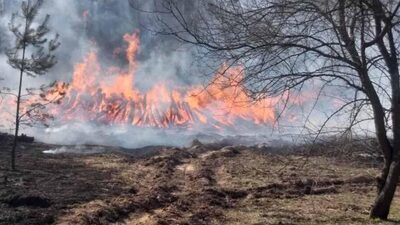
29,39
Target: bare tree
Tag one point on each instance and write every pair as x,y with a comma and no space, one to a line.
283,44
29,39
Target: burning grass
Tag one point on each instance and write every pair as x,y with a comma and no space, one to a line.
112,95
197,185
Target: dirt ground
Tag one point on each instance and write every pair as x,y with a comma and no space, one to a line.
197,185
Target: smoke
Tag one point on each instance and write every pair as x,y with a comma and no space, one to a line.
87,134
76,149
99,25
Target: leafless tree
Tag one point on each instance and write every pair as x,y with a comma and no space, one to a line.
283,44
29,39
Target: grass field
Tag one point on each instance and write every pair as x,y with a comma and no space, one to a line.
198,185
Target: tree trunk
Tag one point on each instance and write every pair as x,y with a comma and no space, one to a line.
381,207
384,174
17,119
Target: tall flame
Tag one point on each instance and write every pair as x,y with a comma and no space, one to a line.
109,95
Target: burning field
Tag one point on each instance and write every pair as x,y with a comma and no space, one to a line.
110,102
107,105
201,184
113,95
217,183
273,127
109,96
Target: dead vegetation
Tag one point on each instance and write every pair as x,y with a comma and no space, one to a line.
204,184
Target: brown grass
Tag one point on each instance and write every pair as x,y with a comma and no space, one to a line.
190,186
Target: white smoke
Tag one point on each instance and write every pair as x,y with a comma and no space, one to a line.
76,150
88,134
160,58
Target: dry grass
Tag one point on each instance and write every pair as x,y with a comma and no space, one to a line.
190,186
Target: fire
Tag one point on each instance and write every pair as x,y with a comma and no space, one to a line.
109,96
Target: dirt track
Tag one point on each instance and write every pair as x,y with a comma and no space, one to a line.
198,185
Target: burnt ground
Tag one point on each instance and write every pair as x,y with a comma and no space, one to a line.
197,185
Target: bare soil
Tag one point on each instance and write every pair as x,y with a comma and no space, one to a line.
197,185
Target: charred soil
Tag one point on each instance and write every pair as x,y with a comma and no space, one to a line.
197,185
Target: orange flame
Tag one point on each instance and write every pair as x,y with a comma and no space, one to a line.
108,95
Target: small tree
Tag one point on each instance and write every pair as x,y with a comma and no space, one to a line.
29,39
